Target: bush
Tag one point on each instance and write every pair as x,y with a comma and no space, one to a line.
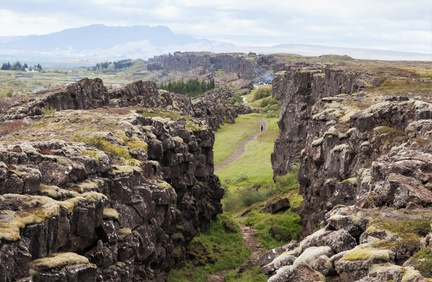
242,177
265,102
423,262
7,93
289,181
249,197
261,93
274,230
48,111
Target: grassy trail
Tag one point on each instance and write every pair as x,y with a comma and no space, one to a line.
241,147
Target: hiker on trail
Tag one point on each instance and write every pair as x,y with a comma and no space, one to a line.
262,127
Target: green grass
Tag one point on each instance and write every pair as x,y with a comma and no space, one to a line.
248,182
255,163
213,252
253,274
274,230
229,136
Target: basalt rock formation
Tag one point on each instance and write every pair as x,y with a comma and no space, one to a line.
99,185
249,67
365,175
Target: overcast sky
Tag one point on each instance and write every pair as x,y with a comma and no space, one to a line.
401,25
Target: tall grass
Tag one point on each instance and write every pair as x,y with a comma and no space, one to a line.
221,249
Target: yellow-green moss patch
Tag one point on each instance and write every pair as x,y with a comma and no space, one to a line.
365,253
163,185
317,142
123,233
351,180
136,143
125,170
57,261
56,192
178,139
110,214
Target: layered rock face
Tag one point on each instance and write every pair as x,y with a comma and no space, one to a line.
365,176
246,67
111,186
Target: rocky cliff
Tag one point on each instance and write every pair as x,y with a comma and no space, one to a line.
365,174
99,185
249,67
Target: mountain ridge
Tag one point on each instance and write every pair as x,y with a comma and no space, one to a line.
102,42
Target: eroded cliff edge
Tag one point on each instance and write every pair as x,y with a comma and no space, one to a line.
365,173
105,185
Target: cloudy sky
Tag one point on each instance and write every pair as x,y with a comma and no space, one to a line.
400,25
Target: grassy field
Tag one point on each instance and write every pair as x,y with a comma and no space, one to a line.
22,82
254,166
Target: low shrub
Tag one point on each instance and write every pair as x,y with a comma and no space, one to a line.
274,230
289,181
261,93
423,262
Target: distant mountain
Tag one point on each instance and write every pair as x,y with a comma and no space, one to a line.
95,37
99,42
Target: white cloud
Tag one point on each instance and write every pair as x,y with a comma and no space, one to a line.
392,24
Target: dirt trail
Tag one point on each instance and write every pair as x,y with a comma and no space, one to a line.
241,147
248,233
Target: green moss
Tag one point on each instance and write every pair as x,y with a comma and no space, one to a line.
110,214
365,253
406,226
126,169
92,154
56,192
57,261
38,209
90,185
70,204
136,143
101,143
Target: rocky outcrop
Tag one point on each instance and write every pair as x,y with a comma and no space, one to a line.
249,67
356,245
112,190
217,107
300,92
362,155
